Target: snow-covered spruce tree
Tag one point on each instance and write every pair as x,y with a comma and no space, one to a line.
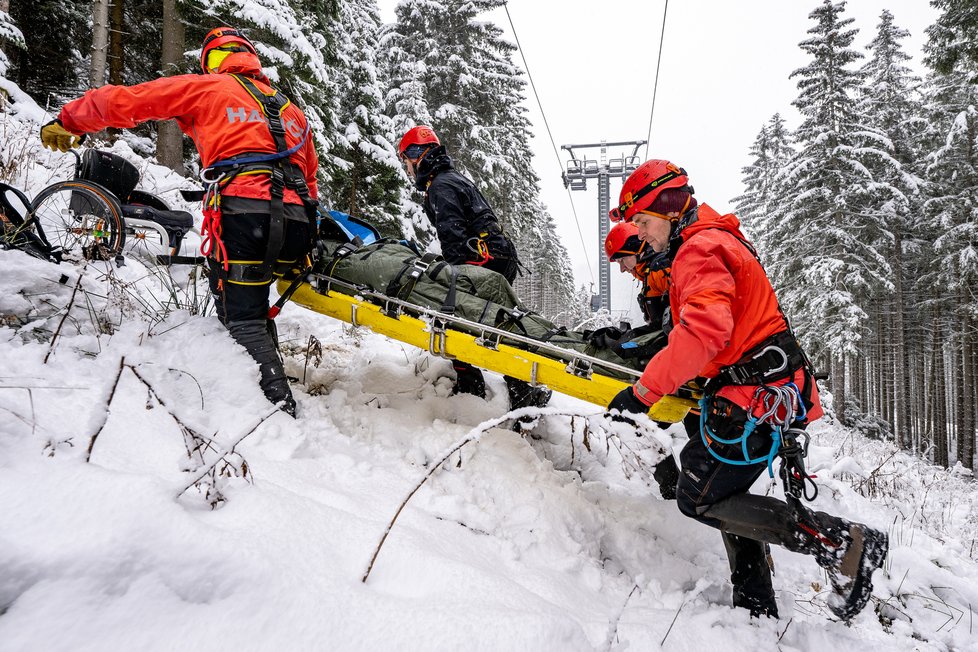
50,68
10,38
771,151
952,43
456,73
889,104
368,180
952,219
297,49
822,239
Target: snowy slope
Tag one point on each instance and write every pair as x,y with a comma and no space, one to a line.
533,542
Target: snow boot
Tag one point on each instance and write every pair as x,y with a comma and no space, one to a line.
851,573
522,394
256,337
468,380
850,552
750,574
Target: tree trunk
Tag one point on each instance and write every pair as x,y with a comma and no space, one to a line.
940,395
117,60
881,371
901,423
966,437
839,388
100,43
169,138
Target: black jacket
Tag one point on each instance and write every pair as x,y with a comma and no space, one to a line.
460,213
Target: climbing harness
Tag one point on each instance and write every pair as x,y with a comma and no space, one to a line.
779,407
282,173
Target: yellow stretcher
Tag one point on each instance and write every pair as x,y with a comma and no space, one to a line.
432,331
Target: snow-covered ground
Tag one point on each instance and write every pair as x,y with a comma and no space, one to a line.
539,541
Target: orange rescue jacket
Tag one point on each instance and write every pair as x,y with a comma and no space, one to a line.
214,110
722,305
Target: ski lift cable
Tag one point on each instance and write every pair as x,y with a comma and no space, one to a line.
560,164
655,86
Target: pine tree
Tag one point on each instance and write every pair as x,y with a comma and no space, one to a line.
953,39
368,181
10,38
771,151
890,107
825,264
49,69
952,210
452,71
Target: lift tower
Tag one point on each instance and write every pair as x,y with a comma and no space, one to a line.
579,170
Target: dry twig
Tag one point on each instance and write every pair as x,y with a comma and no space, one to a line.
71,302
613,631
108,405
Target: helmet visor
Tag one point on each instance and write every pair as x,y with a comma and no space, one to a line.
217,56
414,151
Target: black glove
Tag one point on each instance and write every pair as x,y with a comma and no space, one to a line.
603,338
626,402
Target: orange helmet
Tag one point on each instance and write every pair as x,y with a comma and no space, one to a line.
222,36
622,241
417,136
644,185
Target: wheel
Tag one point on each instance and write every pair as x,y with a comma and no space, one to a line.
81,218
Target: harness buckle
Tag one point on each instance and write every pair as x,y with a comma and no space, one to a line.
420,266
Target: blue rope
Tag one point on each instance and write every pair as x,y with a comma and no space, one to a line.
749,427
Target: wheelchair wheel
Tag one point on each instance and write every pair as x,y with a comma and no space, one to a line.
81,218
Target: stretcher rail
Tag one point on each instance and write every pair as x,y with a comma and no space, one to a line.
323,283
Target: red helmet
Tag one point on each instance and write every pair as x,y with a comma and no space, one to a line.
222,36
622,241
644,185
418,136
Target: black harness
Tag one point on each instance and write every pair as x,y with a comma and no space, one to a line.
283,173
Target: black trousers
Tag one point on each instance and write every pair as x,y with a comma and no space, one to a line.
245,236
705,481
521,394
717,493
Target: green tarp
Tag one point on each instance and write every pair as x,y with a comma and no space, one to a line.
478,295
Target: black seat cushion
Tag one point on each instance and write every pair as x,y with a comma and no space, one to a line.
170,220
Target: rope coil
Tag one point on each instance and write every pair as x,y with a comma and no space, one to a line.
780,407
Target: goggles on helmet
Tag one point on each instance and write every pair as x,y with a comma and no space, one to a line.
216,56
616,214
415,151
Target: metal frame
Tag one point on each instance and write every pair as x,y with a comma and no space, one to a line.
578,172
579,364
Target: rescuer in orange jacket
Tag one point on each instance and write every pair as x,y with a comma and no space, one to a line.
260,165
730,334
635,257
